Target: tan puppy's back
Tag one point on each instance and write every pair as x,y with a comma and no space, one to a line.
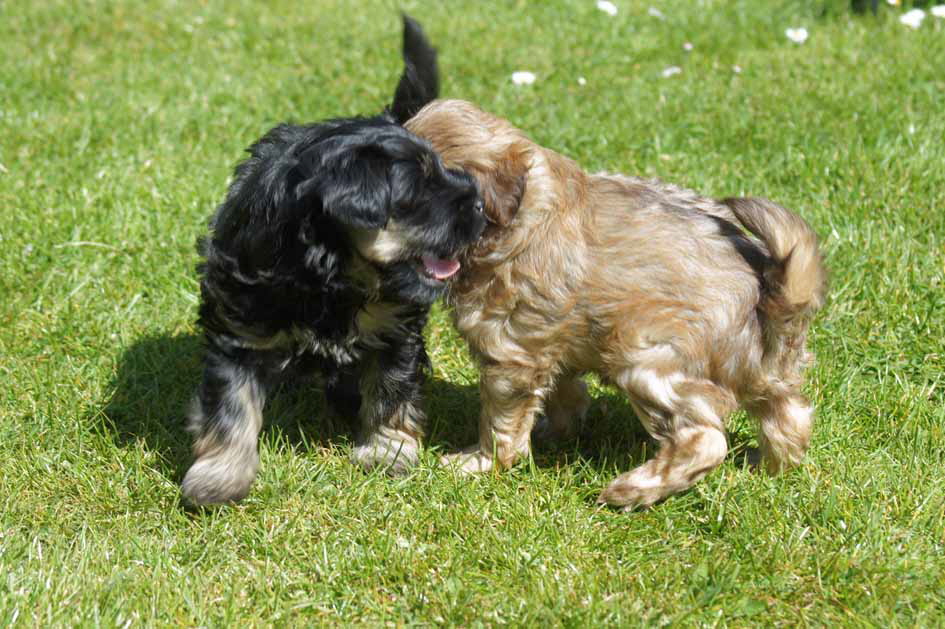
663,272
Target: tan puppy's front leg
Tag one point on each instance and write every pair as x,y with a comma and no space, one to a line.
511,398
565,409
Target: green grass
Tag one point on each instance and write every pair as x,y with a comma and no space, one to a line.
119,126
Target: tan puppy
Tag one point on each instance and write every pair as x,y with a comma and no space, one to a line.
653,287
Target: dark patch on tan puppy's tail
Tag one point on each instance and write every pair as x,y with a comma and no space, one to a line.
795,279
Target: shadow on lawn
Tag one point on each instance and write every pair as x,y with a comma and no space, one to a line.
157,376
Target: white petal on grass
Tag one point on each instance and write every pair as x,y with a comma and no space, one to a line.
654,12
737,69
938,10
523,78
913,18
607,7
797,35
687,46
671,71
582,80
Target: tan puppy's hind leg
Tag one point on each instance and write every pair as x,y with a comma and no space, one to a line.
786,423
686,416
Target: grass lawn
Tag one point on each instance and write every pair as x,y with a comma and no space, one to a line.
119,125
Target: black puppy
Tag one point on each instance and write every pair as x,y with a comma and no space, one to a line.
333,241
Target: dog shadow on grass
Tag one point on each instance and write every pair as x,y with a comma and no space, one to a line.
157,376
613,439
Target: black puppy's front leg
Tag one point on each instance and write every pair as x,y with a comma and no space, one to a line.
392,422
225,419
343,391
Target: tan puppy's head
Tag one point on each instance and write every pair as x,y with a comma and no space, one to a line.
497,154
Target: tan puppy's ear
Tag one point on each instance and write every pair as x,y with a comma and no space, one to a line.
502,199
504,186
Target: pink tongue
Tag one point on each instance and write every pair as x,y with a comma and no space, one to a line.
440,269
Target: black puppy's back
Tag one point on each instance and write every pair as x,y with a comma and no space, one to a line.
263,209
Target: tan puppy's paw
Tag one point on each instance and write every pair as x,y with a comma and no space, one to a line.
633,490
468,461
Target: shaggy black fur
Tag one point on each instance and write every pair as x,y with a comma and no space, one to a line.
315,261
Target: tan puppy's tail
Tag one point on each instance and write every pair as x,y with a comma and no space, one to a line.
795,278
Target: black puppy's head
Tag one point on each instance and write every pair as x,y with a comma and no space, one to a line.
311,198
401,209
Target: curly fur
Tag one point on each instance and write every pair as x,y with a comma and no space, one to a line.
319,259
657,289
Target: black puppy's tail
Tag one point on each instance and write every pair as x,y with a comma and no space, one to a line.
420,82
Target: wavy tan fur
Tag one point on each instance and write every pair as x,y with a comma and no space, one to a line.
656,288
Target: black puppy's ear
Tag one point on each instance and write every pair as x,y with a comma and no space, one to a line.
420,82
357,195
